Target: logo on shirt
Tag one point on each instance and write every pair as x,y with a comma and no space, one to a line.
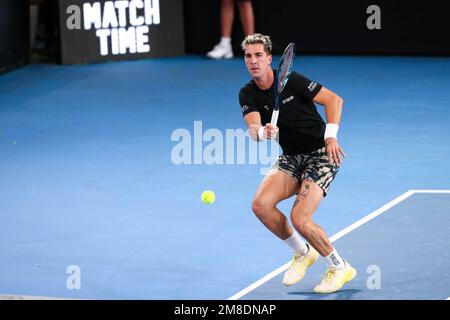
245,108
266,107
312,86
288,99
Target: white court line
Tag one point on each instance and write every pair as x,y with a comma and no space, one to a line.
283,267
335,237
430,191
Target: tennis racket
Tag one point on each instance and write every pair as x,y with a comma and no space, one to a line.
282,77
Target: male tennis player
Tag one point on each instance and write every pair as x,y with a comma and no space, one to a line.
310,160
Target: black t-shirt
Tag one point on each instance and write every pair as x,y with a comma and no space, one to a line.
301,126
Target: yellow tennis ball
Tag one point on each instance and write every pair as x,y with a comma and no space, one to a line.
208,197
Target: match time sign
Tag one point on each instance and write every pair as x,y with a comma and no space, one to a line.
93,31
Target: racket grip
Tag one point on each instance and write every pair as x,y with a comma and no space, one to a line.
274,117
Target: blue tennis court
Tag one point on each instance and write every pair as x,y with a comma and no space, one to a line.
89,182
396,254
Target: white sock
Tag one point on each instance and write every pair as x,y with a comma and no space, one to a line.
296,244
225,41
334,260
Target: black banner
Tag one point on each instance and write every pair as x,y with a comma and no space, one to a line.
14,34
330,27
218,309
103,30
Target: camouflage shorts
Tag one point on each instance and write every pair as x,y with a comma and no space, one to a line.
311,166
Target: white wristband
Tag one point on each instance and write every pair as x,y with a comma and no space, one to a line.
331,131
261,133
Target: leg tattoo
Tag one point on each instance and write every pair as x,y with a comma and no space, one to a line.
305,192
303,195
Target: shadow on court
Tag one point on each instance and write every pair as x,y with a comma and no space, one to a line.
345,294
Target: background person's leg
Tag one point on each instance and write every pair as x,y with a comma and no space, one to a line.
247,17
224,48
226,18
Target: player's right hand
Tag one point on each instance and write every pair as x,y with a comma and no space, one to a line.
270,131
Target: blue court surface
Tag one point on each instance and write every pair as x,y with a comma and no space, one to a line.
95,204
416,228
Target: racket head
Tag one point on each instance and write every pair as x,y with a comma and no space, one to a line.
284,67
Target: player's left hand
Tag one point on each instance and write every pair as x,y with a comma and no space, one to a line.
333,151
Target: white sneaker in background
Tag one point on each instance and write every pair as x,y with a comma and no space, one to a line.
221,51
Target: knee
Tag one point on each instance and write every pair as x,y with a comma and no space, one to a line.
302,223
261,207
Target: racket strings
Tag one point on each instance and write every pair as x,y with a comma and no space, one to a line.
285,67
